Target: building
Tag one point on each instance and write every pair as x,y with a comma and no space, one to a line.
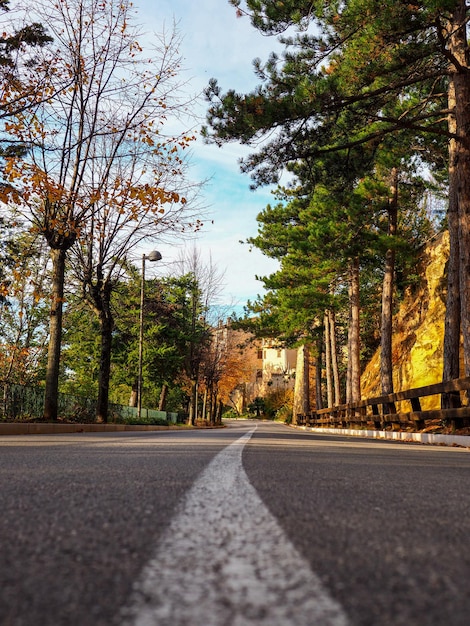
264,367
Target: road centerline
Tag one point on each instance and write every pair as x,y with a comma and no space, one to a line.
224,559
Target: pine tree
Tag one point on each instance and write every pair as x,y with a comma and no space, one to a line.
365,71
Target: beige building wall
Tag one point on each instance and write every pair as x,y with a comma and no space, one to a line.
267,367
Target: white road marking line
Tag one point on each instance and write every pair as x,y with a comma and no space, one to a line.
225,561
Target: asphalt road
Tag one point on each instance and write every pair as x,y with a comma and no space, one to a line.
282,527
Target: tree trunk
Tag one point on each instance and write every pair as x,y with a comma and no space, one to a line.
106,329
213,405
334,357
328,364
244,398
349,364
354,362
193,403
55,335
133,396
318,375
386,365
220,408
461,84
451,367
301,403
204,404
163,397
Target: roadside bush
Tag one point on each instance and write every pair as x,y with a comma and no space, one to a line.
278,404
231,414
143,421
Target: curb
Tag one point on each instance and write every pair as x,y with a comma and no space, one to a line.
426,438
36,428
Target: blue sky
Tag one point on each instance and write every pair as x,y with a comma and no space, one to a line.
215,43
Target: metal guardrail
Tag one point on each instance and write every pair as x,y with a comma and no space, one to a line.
392,408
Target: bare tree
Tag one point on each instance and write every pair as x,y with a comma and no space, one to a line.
206,288
97,151
156,203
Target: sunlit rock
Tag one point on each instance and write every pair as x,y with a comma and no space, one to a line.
418,336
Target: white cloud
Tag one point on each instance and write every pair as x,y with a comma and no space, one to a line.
215,43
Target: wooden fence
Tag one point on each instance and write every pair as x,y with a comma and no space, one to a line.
402,408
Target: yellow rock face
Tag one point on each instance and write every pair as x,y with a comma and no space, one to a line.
418,336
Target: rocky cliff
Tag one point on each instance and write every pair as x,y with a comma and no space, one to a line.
418,332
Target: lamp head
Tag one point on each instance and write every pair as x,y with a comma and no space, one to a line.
153,256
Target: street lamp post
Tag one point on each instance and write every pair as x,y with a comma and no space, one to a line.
152,256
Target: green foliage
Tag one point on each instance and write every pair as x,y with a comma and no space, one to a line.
80,350
143,421
367,70
178,328
231,414
275,405
257,407
172,332
272,16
